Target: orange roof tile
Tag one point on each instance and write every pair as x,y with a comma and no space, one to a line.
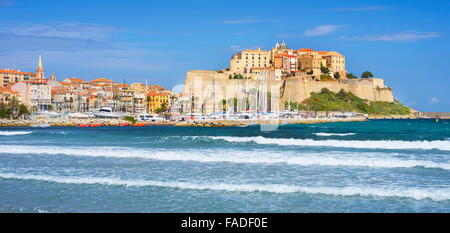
305,50
75,80
102,80
156,94
16,72
36,81
122,85
256,51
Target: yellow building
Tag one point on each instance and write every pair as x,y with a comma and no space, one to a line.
155,100
249,59
309,63
335,61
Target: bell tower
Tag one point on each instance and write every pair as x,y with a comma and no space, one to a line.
40,70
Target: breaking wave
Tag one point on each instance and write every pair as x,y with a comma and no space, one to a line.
333,134
370,144
375,160
12,133
414,193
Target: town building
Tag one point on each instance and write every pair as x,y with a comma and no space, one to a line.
7,95
156,100
249,59
9,77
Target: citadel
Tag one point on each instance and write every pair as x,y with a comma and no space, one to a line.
285,74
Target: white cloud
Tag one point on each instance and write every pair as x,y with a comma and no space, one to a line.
434,100
64,30
238,48
400,36
368,8
321,30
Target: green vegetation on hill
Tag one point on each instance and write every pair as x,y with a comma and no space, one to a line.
343,101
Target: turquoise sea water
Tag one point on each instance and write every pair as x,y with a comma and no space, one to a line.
375,166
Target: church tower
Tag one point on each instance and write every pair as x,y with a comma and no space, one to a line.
40,70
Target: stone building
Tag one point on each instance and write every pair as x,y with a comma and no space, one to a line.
248,59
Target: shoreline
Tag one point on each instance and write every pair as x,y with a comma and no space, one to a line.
58,122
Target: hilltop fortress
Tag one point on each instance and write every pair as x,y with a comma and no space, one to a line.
286,75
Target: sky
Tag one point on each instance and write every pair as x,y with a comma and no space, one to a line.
404,42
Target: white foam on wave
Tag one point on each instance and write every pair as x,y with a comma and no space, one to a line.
441,194
333,134
375,160
12,133
369,144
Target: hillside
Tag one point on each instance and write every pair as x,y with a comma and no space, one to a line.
343,101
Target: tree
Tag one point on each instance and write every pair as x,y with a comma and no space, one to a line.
325,91
337,75
23,110
324,69
163,108
235,105
224,105
367,74
351,76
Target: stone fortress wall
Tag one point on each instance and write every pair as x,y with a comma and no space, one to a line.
209,88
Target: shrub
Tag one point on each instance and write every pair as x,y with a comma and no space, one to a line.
343,101
367,74
130,119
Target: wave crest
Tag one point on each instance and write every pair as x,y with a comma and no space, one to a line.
12,133
414,193
375,160
369,144
334,134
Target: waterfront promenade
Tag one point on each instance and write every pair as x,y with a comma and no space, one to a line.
203,123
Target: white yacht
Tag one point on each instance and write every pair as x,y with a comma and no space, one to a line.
106,112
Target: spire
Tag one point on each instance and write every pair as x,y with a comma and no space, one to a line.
40,61
40,69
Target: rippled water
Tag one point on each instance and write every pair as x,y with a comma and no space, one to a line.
375,166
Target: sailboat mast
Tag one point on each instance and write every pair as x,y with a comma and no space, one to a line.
145,96
214,92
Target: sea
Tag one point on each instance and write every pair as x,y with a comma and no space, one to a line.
382,166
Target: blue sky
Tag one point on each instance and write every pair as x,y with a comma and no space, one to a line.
404,42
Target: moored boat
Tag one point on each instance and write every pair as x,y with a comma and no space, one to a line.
96,125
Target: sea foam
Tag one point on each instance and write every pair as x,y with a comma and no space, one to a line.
12,133
333,134
441,194
369,144
375,160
